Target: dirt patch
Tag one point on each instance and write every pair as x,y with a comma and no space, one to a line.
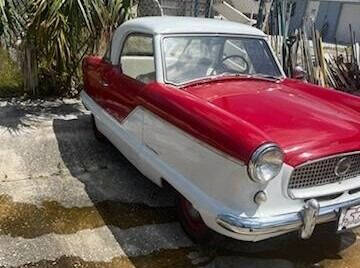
30,221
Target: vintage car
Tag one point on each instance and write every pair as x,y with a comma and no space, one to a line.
203,106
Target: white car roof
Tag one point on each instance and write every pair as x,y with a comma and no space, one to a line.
172,25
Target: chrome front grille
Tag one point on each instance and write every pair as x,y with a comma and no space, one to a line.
322,172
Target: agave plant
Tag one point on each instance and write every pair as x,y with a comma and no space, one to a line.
56,34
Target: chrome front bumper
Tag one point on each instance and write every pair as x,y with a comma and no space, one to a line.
304,221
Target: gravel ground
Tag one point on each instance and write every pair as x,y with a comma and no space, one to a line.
67,200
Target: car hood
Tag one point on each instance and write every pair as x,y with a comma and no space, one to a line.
307,126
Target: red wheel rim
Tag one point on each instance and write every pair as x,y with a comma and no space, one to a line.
192,217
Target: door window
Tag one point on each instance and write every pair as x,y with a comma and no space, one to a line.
137,58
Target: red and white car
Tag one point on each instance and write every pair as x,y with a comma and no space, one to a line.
203,105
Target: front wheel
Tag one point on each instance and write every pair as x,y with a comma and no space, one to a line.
192,222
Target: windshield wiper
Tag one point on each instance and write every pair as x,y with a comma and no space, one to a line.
213,77
256,76
266,76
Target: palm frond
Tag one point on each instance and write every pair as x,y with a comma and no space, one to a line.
60,32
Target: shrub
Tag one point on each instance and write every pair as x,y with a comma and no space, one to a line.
55,35
11,83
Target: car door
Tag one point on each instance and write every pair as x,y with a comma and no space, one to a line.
124,81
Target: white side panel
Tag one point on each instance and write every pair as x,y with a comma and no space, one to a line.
134,124
223,179
127,136
202,166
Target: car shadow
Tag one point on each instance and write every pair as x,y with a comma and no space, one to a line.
325,244
134,202
123,197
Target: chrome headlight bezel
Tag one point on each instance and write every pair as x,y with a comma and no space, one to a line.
254,170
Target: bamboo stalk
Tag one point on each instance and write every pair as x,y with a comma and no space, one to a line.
306,47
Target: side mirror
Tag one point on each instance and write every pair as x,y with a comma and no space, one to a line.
298,73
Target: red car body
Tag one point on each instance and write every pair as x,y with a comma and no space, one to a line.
237,115
252,157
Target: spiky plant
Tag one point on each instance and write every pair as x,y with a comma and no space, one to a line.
58,33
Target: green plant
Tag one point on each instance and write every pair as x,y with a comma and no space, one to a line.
10,76
57,34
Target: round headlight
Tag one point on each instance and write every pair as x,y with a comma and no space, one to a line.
265,163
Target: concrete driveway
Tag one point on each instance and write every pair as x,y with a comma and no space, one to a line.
67,200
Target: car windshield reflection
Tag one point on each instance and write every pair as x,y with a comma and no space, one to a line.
191,58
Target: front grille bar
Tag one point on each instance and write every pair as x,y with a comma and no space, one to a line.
322,171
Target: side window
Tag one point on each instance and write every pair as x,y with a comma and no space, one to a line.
137,58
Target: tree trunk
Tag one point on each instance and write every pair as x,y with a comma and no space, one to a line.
30,70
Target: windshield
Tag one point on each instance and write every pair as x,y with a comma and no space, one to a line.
196,57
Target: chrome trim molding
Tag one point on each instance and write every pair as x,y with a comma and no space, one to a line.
304,220
323,190
324,171
327,157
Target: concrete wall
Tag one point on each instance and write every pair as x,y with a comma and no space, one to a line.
331,17
327,19
350,14
300,8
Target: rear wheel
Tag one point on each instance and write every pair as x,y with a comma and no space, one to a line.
192,222
98,135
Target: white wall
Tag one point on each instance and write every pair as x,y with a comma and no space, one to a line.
350,14
312,9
